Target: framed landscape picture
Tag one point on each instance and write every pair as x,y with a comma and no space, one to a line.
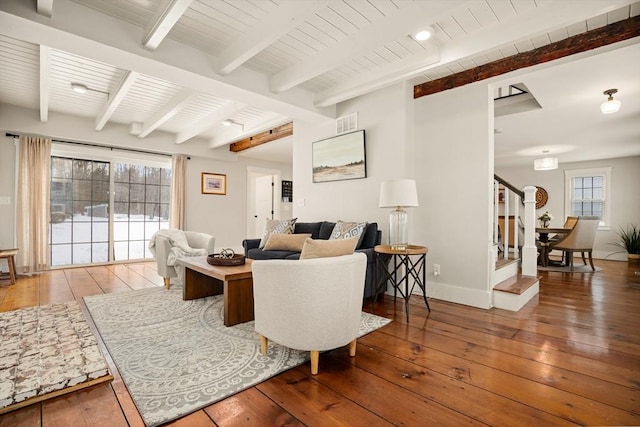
339,158
214,183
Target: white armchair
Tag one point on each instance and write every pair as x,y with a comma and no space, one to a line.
163,241
312,305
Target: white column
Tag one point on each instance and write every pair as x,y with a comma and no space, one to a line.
529,250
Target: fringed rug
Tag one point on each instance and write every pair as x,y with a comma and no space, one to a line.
176,356
46,352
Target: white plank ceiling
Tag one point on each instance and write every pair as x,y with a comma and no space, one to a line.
185,66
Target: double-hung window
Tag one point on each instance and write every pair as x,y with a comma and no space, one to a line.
587,194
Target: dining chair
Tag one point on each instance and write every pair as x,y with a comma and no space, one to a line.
579,239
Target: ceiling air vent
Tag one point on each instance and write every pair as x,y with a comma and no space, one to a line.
346,124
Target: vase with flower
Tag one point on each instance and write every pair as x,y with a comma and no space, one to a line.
545,219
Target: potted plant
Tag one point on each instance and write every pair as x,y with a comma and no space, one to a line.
629,240
545,219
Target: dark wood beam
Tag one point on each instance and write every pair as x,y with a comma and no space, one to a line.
593,39
262,138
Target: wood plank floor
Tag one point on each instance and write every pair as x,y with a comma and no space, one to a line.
570,356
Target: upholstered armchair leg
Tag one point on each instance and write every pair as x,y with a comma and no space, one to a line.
591,261
264,344
167,282
352,348
584,260
315,357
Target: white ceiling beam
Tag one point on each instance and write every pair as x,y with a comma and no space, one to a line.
85,32
163,21
177,103
45,7
116,98
209,121
521,27
45,59
276,24
399,24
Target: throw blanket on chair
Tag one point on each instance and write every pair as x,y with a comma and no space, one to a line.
179,245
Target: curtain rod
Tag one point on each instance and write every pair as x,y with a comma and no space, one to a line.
101,146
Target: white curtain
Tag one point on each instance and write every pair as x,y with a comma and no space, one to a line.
176,207
34,170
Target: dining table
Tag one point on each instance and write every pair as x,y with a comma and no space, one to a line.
543,233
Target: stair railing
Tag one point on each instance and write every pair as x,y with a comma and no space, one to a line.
516,209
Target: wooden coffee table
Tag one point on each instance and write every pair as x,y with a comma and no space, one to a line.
235,283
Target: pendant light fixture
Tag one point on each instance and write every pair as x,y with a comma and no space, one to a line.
546,163
610,105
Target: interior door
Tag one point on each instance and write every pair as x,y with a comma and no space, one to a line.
263,203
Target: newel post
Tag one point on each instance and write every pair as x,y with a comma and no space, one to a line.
529,250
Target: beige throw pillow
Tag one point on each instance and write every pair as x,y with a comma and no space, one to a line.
346,230
286,242
318,248
277,226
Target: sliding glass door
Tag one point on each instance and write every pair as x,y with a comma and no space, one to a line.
85,193
79,227
141,207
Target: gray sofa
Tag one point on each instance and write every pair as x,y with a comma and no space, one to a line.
322,230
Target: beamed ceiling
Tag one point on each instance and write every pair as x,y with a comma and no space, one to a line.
183,67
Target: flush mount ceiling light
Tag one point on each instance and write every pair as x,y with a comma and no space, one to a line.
79,88
610,105
546,163
229,122
422,35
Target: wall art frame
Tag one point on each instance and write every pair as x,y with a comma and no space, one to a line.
214,183
340,157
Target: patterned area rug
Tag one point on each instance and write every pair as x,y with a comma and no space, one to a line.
45,352
177,356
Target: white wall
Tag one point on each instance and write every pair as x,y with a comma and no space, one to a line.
222,216
445,142
624,198
454,170
382,115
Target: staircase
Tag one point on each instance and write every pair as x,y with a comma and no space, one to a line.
514,273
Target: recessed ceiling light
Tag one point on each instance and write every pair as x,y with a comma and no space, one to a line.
79,88
422,35
227,122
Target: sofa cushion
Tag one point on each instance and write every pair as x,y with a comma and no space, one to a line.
325,230
320,248
370,236
308,227
277,226
285,242
257,253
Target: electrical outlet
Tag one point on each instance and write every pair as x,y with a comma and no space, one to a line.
5,200
436,269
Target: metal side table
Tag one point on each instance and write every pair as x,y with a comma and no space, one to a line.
409,263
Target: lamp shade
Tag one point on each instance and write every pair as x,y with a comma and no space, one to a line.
398,192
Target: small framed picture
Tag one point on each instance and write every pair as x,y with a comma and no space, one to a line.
214,183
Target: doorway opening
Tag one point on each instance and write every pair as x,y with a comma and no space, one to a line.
263,196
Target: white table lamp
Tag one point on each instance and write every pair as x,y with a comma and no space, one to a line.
398,194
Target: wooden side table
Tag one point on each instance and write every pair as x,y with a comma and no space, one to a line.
9,255
413,259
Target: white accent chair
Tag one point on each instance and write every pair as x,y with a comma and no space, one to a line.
312,305
163,247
